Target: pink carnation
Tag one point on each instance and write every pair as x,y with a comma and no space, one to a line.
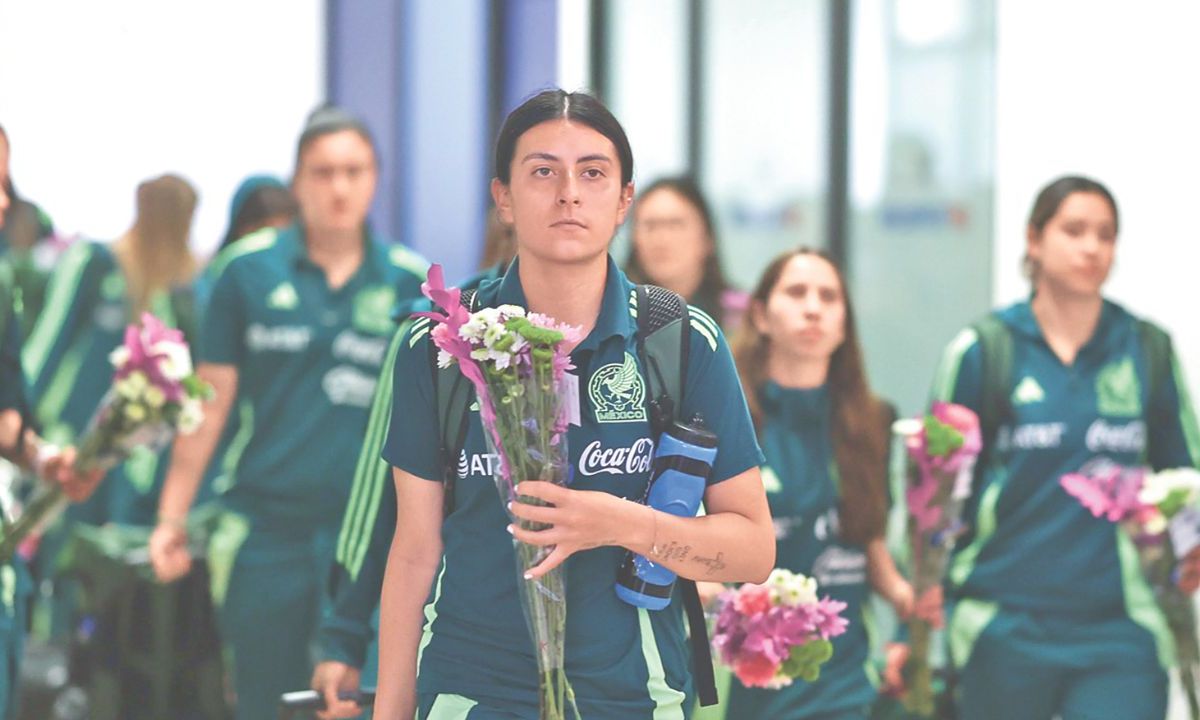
752,600
755,670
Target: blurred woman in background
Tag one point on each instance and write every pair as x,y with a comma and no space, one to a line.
96,290
825,436
674,245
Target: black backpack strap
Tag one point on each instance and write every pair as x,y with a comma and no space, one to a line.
454,394
663,342
1156,351
996,344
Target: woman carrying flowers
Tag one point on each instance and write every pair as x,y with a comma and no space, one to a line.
23,447
564,181
826,439
1051,615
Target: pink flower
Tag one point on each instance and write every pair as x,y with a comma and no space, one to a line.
1106,490
446,337
752,600
755,670
151,348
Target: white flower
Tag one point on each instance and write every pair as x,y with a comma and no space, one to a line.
907,427
1156,525
779,578
119,357
155,397
191,414
1160,486
801,591
445,359
510,311
134,412
493,335
175,363
132,387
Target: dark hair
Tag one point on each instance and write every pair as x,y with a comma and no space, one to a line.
329,119
261,204
559,104
1051,198
860,423
713,284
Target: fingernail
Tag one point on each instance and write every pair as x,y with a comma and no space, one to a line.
528,576
509,506
509,528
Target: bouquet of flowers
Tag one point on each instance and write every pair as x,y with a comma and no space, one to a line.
773,633
1158,512
154,395
941,450
516,362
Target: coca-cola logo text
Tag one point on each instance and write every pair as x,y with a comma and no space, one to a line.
598,460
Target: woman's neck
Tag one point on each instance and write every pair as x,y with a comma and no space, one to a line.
796,372
338,253
570,294
1067,320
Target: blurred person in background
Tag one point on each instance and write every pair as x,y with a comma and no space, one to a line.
27,243
347,649
22,446
260,201
826,439
95,292
294,336
1050,614
674,245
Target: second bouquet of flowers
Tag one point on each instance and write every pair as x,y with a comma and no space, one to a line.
516,362
773,633
155,394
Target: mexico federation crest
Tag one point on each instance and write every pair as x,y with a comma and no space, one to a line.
373,308
1118,391
618,393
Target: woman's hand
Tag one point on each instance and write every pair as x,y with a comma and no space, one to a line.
579,520
1189,571
58,467
895,657
169,554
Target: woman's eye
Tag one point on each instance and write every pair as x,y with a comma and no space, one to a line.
593,173
542,172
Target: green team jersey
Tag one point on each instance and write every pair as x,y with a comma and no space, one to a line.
1033,547
308,357
623,662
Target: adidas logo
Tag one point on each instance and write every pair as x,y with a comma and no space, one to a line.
283,297
1028,392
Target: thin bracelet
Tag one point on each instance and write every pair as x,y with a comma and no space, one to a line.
654,537
177,523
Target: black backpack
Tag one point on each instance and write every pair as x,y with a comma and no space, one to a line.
662,343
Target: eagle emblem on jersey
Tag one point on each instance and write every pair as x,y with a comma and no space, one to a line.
1118,391
618,393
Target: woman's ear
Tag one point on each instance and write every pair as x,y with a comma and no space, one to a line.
758,317
502,197
624,203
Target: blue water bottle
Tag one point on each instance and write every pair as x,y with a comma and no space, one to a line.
682,464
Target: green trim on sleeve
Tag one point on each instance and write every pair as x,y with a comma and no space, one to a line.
60,296
405,259
256,241
947,375
1187,415
371,472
